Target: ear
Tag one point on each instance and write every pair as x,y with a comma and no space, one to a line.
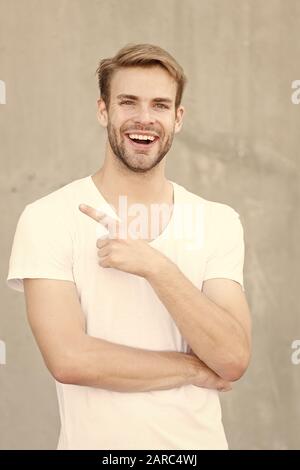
179,118
102,112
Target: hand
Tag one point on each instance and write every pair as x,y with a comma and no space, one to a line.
132,256
207,378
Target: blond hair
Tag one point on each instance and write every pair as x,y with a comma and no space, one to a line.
142,55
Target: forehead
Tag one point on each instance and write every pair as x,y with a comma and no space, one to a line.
144,82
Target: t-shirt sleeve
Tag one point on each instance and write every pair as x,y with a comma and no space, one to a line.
42,247
226,256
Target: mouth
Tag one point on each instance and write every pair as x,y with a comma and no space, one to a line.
142,141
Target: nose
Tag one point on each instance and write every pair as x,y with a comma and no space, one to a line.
144,115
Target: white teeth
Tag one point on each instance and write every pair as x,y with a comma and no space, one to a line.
142,137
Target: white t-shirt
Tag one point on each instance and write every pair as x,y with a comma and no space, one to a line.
55,240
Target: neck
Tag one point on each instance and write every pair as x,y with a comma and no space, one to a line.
114,179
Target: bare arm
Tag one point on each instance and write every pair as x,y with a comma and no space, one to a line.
73,357
215,322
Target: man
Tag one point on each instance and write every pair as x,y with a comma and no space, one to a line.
140,326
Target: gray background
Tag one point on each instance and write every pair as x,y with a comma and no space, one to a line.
239,145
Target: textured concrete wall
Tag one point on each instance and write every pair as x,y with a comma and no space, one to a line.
239,145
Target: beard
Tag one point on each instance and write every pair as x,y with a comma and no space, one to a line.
138,161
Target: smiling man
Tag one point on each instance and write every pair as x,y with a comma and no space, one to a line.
140,323
141,144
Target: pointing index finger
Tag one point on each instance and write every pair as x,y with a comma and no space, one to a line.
93,213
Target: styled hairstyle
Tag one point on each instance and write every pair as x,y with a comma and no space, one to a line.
142,55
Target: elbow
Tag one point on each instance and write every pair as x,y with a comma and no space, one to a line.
236,367
234,372
64,371
64,375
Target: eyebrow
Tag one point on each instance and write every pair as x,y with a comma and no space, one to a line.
135,98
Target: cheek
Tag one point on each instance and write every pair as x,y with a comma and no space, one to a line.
122,120
117,115
168,125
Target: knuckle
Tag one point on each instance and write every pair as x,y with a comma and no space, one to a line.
102,263
114,258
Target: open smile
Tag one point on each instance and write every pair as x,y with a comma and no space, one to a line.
142,141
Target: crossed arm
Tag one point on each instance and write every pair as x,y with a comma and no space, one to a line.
215,322
73,357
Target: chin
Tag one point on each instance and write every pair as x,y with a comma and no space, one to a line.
140,168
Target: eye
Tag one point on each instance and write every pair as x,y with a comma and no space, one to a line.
129,102
161,106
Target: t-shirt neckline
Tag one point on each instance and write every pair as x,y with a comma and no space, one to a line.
166,229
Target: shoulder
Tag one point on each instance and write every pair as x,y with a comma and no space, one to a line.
221,222
214,211
58,204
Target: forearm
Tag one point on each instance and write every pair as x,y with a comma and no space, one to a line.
102,364
211,332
